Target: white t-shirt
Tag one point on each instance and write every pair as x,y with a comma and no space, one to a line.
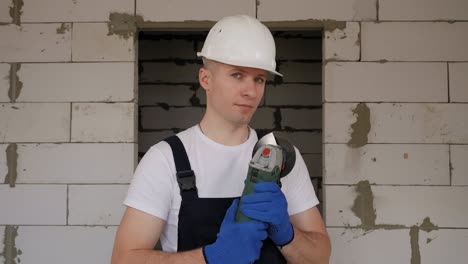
220,171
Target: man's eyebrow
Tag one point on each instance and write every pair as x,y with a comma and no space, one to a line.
243,71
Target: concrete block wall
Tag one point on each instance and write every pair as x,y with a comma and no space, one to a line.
171,100
395,169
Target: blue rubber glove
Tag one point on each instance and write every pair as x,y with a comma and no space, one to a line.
237,242
268,204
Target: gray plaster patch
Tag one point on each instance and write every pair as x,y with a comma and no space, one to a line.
12,164
64,27
427,225
414,240
16,11
10,252
363,206
123,25
15,84
362,126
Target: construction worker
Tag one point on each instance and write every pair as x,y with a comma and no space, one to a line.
185,190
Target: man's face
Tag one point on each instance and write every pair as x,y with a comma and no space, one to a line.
233,92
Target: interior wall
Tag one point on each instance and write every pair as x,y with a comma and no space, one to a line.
395,137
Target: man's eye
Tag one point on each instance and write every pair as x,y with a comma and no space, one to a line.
236,75
260,80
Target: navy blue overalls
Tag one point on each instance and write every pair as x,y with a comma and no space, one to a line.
201,218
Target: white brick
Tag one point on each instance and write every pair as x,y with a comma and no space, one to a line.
148,139
414,41
23,122
343,44
400,205
298,48
172,95
33,204
5,6
180,10
91,42
3,161
65,244
76,163
387,164
4,82
423,10
354,10
306,142
293,94
153,72
100,122
354,246
443,246
301,118
96,204
459,162
314,164
458,73
176,46
73,11
263,118
301,72
76,82
158,118
386,82
400,123
34,43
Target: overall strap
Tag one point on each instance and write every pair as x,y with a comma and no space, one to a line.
185,174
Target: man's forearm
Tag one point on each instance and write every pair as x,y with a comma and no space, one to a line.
148,256
308,247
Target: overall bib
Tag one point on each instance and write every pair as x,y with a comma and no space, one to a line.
201,218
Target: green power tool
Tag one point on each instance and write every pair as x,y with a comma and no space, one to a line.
273,158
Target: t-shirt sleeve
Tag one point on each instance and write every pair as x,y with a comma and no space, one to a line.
151,188
298,188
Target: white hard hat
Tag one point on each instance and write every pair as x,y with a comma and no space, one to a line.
242,41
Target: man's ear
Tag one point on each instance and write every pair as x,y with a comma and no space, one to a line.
204,78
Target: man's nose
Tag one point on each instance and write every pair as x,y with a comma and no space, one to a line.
249,88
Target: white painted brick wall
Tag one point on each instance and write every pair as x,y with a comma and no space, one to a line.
401,205
4,82
304,48
386,82
443,246
306,142
300,71
75,163
354,246
101,122
423,10
3,161
169,72
458,73
96,204
343,44
173,95
415,123
73,11
414,41
91,42
33,204
293,94
65,244
5,11
301,118
76,82
395,164
34,43
351,10
148,139
31,122
167,48
459,161
158,118
263,118
180,10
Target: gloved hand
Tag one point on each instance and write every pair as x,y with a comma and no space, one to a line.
237,242
268,204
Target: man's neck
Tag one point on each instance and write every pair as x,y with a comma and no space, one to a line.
223,132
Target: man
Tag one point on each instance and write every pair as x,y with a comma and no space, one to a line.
195,219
